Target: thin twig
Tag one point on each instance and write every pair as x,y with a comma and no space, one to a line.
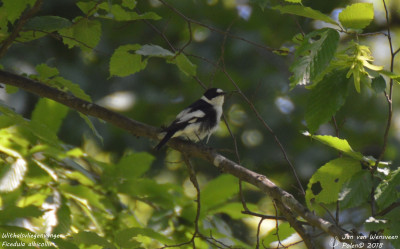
258,233
277,225
264,123
390,94
271,217
388,209
389,98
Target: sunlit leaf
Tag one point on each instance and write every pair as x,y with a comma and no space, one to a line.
93,199
184,65
46,108
149,190
90,239
338,144
63,219
301,10
284,231
357,15
133,165
313,56
125,61
216,192
233,209
325,185
124,236
83,33
11,176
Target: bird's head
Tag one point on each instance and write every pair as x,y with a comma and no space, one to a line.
214,96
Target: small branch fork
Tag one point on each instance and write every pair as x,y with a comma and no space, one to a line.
286,203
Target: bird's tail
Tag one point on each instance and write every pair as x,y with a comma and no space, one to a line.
165,139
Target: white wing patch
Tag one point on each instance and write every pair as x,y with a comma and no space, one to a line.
186,115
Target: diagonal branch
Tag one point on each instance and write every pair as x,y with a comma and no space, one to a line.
287,204
20,24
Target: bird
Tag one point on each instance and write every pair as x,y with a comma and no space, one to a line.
198,120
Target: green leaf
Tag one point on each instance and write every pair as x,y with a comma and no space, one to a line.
184,64
356,190
357,16
10,213
233,209
45,72
391,75
126,235
47,23
394,230
326,183
14,8
120,14
90,239
284,231
134,165
93,199
36,130
11,89
154,50
124,61
388,191
50,114
216,192
339,144
378,84
149,190
130,4
325,99
64,219
12,175
293,1
84,33
301,10
85,7
74,88
313,56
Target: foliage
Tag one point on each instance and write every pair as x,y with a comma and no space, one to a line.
55,181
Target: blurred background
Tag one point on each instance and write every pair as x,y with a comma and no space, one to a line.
155,95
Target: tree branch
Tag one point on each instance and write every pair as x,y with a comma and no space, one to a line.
20,24
286,203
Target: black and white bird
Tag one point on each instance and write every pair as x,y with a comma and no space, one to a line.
198,120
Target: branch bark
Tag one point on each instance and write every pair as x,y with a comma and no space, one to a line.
288,205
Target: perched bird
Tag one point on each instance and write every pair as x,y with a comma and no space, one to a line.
198,120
